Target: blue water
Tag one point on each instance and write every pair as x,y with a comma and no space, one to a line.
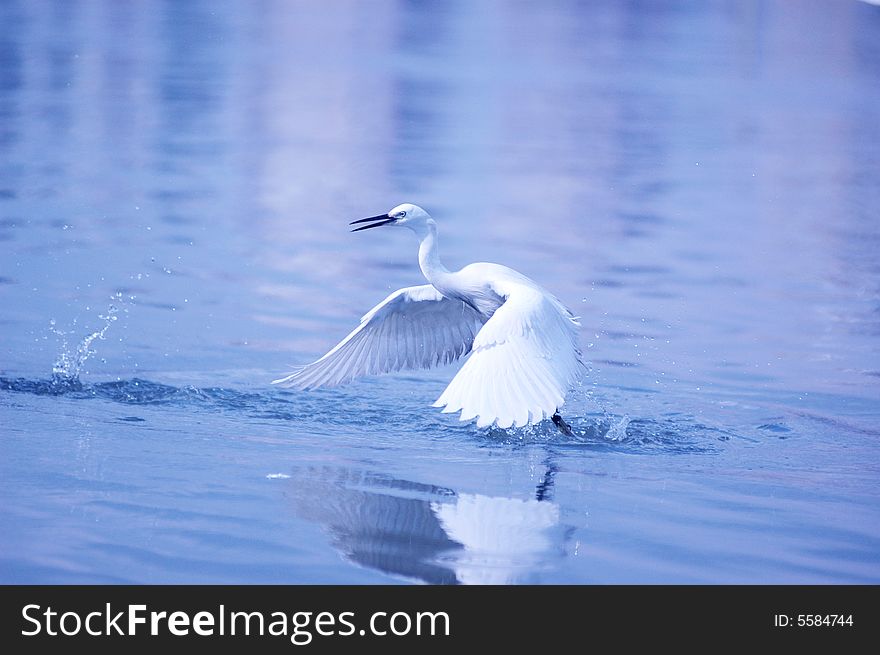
700,182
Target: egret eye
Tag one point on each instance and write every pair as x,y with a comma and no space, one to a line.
401,214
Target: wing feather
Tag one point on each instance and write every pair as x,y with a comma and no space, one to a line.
414,327
522,361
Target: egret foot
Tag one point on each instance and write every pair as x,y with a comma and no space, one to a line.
564,427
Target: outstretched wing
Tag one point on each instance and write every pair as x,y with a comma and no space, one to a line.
522,363
414,327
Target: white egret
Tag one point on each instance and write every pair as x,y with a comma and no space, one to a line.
521,340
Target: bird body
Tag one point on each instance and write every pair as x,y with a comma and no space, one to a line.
473,285
520,340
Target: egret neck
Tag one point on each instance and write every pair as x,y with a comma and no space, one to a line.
429,255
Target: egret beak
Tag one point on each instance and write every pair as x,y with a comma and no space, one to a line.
383,219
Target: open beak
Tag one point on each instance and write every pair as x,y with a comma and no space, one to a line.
377,221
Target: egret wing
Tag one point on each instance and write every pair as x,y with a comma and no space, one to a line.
522,363
415,327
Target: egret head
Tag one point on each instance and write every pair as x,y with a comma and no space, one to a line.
406,215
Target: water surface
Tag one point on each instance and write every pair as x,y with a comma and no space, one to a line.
698,182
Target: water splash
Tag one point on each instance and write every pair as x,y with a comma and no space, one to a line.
587,392
681,434
622,433
617,431
70,361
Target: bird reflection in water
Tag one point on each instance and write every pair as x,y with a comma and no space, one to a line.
429,533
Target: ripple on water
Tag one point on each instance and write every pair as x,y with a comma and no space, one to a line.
679,433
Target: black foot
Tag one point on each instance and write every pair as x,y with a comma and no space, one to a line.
564,427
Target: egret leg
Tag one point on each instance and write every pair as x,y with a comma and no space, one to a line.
564,427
